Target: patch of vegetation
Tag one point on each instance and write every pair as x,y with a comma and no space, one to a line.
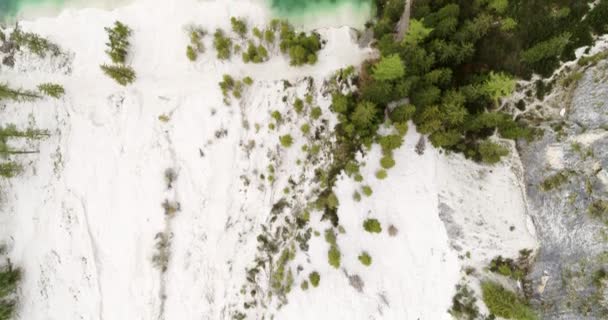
196,45
18,95
302,48
52,90
118,49
599,209
381,174
367,190
557,180
239,26
222,44
504,303
333,256
314,278
229,85
10,279
365,259
592,60
124,75
255,54
464,303
515,269
118,45
387,162
372,226
34,43
286,140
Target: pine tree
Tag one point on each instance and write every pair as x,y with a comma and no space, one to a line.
124,75
416,33
7,93
51,90
389,68
118,44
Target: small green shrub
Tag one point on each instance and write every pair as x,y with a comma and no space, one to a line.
357,196
196,45
314,278
464,304
35,43
305,128
387,162
304,285
316,113
124,75
248,80
599,209
333,256
302,48
491,152
381,174
118,45
255,54
51,90
276,115
239,26
298,105
222,44
367,190
556,180
10,169
365,259
372,226
286,140
504,303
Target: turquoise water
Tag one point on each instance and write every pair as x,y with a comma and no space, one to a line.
288,8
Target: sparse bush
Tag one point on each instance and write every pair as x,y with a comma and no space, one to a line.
556,180
124,75
316,113
222,44
51,90
304,285
357,196
381,174
504,303
372,226
490,152
367,190
464,304
34,43
298,105
387,162
248,80
314,278
196,45
118,45
333,256
255,54
302,48
365,259
286,140
305,128
10,169
599,209
239,26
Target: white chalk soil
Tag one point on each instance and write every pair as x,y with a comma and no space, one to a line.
85,220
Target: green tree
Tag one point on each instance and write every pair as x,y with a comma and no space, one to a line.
52,90
364,114
416,33
239,26
8,93
491,152
222,44
118,45
124,75
546,49
498,85
389,68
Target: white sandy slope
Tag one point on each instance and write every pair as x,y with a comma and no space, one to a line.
82,220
